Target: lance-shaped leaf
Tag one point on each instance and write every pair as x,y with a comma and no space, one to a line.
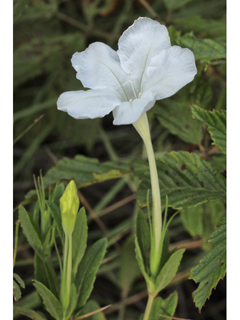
211,268
51,303
187,180
168,271
87,270
216,122
79,239
30,232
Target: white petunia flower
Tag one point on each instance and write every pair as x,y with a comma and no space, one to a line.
128,82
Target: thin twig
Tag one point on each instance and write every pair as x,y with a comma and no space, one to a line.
135,298
189,244
83,27
15,242
91,313
117,205
95,217
150,9
170,317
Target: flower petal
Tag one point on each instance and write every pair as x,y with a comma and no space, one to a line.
98,67
138,44
169,71
129,112
88,104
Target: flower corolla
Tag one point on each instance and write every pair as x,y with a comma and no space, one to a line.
145,68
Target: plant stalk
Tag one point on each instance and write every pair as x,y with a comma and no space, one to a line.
148,307
142,127
67,274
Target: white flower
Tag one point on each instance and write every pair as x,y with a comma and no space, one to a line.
145,68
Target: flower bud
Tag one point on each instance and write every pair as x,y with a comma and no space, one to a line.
69,204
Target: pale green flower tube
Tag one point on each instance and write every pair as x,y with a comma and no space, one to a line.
142,127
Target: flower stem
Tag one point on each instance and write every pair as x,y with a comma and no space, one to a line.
67,274
148,307
142,127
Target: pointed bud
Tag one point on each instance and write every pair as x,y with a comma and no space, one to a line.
69,204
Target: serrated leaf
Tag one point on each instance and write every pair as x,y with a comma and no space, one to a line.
164,307
211,268
216,122
176,116
128,275
56,214
202,220
204,50
30,233
87,171
87,270
51,303
79,239
28,313
198,24
44,53
186,179
168,271
175,4
143,236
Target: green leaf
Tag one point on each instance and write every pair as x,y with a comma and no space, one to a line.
168,271
204,50
175,4
164,307
197,23
186,179
19,280
92,306
44,52
202,220
56,214
216,122
79,239
51,303
182,125
211,268
18,8
87,270
141,264
128,275
28,313
87,171
30,233
143,236
16,291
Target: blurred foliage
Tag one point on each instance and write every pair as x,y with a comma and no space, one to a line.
46,34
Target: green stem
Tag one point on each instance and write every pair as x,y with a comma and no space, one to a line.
148,307
142,127
67,274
